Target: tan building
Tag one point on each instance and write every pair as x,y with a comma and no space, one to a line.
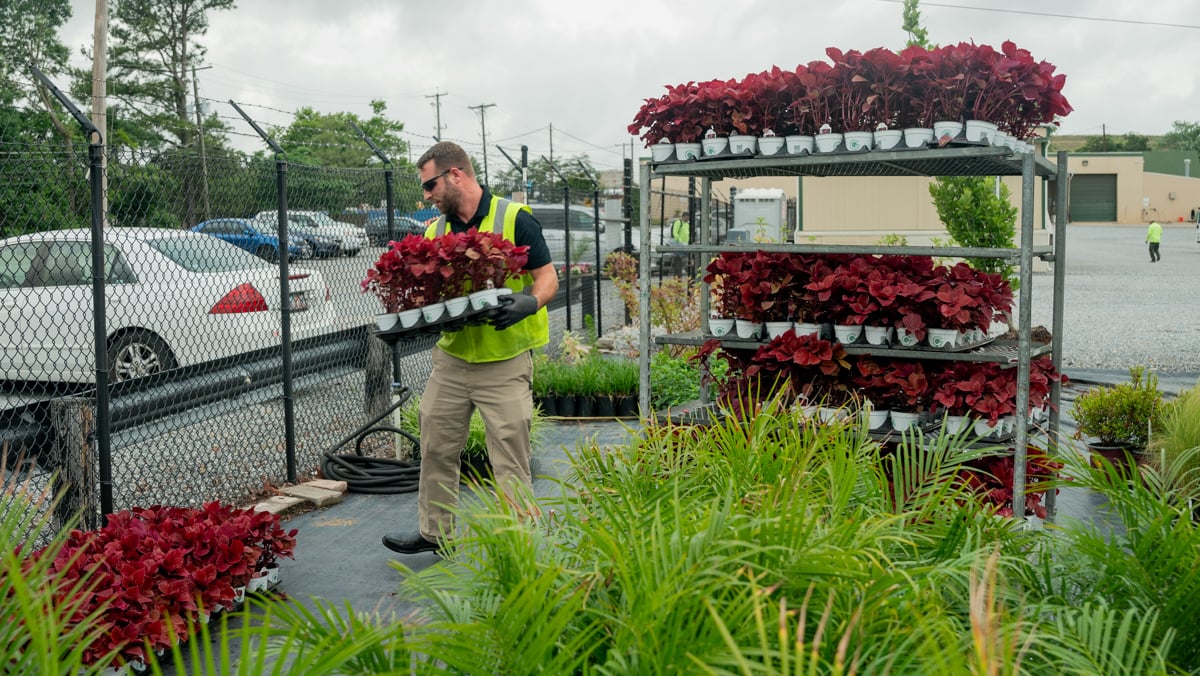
1134,187
1105,188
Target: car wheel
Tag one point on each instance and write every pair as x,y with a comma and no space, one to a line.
267,253
307,250
136,354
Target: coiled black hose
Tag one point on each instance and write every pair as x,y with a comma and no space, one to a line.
382,476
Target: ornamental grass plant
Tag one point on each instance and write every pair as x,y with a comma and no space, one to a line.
769,545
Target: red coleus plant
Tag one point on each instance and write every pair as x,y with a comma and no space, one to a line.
886,77
1042,376
767,287
811,369
725,275
991,477
490,259
853,111
860,89
896,384
418,270
844,291
152,569
814,103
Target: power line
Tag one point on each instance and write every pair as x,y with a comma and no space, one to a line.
1136,22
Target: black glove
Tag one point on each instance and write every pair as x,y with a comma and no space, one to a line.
513,309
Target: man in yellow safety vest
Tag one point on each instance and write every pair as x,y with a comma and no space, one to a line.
1154,238
486,368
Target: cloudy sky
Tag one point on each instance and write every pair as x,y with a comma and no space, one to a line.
566,77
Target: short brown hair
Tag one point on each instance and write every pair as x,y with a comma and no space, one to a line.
447,154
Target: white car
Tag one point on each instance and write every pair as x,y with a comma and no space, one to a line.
174,298
353,238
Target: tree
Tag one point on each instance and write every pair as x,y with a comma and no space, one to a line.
29,36
1183,136
1129,142
976,216
547,186
330,140
917,35
154,46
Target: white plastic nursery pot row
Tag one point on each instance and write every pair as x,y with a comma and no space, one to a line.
976,132
886,422
850,334
478,305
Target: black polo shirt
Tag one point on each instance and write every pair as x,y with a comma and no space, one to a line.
526,231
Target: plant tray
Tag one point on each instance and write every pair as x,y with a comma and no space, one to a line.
887,433
471,317
705,414
924,348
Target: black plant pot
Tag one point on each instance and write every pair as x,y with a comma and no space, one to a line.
566,405
605,408
585,406
548,404
475,467
627,406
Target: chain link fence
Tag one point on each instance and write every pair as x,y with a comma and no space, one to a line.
216,342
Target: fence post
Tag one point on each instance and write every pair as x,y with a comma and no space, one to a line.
285,313
377,388
72,420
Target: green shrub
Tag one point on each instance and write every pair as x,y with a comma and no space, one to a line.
975,216
673,380
1123,414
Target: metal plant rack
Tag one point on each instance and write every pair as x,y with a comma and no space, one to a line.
959,159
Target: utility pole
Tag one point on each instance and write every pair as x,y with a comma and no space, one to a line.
437,106
551,143
100,91
200,134
482,108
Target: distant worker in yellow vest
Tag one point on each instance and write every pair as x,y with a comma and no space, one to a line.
681,234
486,368
1154,238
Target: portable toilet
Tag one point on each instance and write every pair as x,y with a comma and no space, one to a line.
758,215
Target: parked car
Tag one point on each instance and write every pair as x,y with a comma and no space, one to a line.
353,238
582,227
376,228
322,246
255,237
174,298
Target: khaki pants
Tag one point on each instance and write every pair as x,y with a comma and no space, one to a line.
501,391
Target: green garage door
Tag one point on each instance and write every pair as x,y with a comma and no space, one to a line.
1093,197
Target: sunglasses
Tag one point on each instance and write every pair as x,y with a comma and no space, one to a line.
429,185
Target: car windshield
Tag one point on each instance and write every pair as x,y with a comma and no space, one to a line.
205,254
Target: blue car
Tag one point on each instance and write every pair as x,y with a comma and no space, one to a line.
255,238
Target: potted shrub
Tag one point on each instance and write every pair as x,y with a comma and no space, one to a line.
1115,421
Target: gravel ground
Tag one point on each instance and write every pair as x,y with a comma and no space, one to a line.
1121,310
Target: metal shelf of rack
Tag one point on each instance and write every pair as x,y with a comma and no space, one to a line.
959,159
1000,351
